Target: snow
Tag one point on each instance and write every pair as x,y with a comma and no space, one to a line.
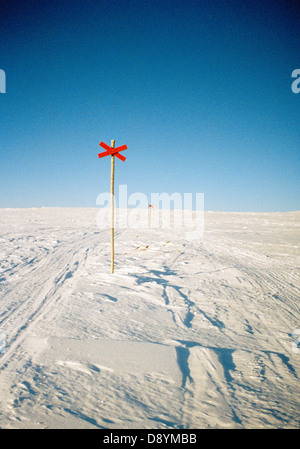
189,334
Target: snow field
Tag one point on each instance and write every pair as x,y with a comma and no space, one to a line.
185,334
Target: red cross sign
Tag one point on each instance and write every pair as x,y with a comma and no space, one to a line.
114,151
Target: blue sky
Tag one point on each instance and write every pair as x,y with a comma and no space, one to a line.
200,91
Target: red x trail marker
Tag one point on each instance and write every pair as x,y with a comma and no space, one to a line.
114,151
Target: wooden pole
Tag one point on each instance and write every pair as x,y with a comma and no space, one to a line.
149,215
112,206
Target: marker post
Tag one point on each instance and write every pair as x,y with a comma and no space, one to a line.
111,150
112,207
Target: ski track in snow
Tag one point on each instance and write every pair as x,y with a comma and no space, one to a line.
185,334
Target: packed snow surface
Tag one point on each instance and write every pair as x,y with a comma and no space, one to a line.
198,333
